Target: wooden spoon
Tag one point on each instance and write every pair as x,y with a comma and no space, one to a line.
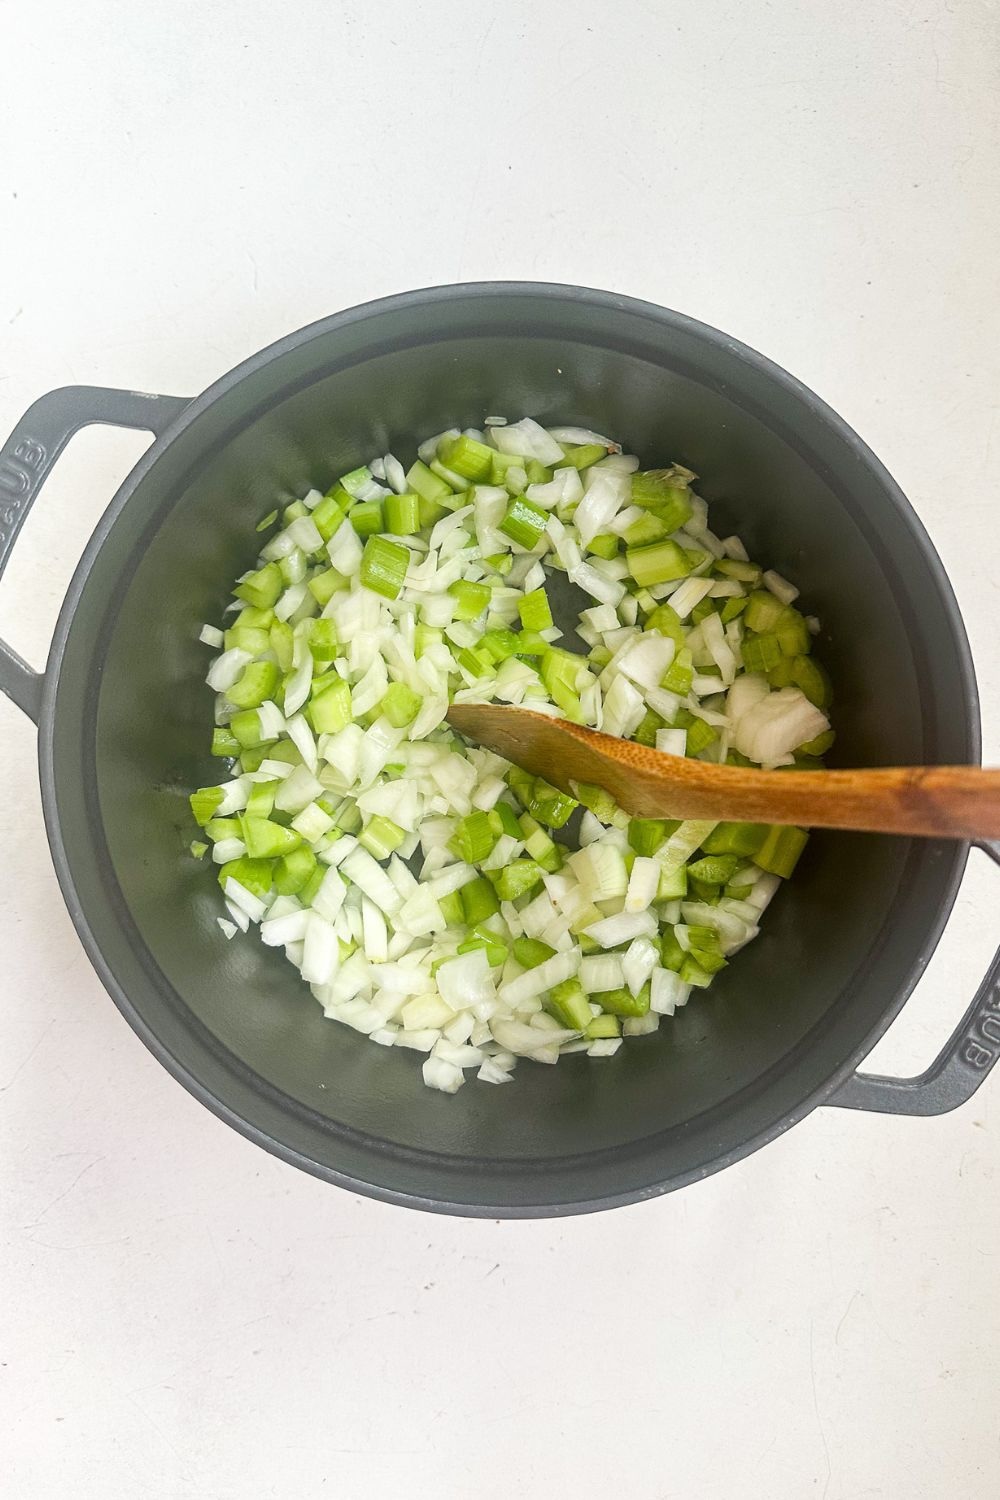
961,802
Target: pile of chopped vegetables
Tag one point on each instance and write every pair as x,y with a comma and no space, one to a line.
432,895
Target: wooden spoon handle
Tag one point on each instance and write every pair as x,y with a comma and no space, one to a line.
932,801
928,801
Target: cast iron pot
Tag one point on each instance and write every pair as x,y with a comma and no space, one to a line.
123,719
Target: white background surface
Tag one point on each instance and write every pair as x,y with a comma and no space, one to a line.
181,1315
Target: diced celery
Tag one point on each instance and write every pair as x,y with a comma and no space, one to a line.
254,875
465,456
254,685
330,710
368,519
478,901
470,598
262,588
535,611
658,563
204,802
781,850
568,1004
735,838
293,870
400,705
381,837
516,879
402,514
473,839
530,952
224,742
623,1003
524,522
267,840
383,566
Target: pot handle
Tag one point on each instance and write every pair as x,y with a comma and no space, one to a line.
959,1069
26,459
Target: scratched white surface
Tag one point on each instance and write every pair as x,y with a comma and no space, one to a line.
180,1315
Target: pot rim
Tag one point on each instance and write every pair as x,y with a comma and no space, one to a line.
666,319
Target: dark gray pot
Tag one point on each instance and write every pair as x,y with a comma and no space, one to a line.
122,716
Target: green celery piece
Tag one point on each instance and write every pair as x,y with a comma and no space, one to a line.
330,511
700,890
700,735
535,611
198,848
504,820
307,894
402,514
524,522
500,562
604,545
256,683
325,584
792,633
465,456
429,485
597,800
254,875
474,839
816,747
260,803
530,952
250,759
224,742
470,598
381,837
543,850
783,673
293,870
451,909
735,838
666,621
647,835
478,901
713,869
568,1004
400,705
672,955
550,806
646,733
425,637
430,512
223,828
323,643
457,483
582,455
601,1028
733,607
692,973
537,472
204,802
251,638
263,588
255,619
673,886
500,463
330,710
516,879
702,610
660,562
734,567
368,519
267,840
267,521
383,566
623,1003
781,850
763,612
486,938
812,679
499,644
294,512
530,643
646,528
760,653
282,641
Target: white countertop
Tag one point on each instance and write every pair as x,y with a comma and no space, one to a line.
180,1314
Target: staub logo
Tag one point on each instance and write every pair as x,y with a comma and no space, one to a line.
979,1049
20,470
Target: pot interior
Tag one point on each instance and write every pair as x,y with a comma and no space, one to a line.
840,946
